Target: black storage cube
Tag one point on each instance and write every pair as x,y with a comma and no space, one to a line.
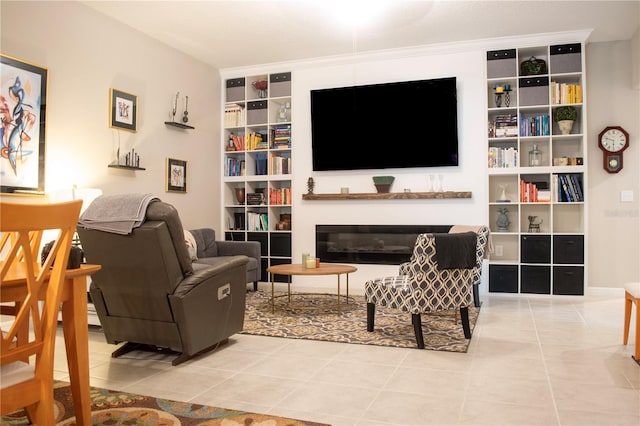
256,112
235,89
565,58
568,249
535,279
501,63
568,280
234,236
503,278
280,278
534,91
281,244
535,249
260,237
280,84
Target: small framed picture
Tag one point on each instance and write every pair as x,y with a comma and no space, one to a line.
176,175
123,109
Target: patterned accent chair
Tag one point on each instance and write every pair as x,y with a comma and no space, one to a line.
424,286
483,248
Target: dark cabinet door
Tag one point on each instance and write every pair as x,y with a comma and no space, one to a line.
568,249
503,278
535,249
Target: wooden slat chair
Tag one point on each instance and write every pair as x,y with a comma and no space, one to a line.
26,362
632,297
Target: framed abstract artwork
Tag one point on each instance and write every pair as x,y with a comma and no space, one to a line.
123,110
176,175
23,102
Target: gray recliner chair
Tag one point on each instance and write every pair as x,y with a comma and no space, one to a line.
150,295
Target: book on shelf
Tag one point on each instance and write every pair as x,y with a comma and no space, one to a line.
255,199
566,93
279,165
568,187
233,115
539,125
261,163
257,221
534,192
234,167
279,196
503,126
500,158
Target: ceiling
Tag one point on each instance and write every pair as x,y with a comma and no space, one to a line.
238,33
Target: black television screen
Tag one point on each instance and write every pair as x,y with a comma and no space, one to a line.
389,125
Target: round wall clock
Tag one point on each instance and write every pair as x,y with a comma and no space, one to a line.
613,140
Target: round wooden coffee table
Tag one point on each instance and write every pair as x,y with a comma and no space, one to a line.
291,269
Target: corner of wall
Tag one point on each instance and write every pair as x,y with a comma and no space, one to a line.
635,60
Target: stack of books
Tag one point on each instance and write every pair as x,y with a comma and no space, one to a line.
281,137
504,126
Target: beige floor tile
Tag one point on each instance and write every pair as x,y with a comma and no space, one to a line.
354,373
577,395
400,408
483,412
327,398
590,418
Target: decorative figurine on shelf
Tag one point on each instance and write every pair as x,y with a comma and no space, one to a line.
185,115
499,90
534,227
310,185
175,108
502,222
503,195
261,87
507,95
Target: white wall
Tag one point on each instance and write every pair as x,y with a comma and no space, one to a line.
614,226
86,54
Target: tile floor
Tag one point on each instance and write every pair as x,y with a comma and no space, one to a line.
532,361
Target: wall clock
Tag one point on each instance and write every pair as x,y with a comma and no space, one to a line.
613,140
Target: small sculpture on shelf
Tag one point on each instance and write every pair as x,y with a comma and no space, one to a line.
502,222
185,116
534,227
175,107
310,185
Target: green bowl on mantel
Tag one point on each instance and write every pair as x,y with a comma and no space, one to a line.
383,183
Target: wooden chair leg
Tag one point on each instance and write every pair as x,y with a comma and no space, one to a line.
371,313
417,329
628,301
637,352
464,317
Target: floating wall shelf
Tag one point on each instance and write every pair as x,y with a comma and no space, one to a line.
119,166
389,196
178,125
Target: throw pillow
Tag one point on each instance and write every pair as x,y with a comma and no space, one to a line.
192,247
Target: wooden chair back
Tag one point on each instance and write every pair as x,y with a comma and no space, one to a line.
25,284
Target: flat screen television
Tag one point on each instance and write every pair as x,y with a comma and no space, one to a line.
389,125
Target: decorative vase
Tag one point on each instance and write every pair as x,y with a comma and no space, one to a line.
565,126
502,222
240,194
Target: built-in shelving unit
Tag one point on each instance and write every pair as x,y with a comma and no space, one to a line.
537,174
178,125
388,196
257,162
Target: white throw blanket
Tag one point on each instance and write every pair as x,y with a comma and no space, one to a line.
117,213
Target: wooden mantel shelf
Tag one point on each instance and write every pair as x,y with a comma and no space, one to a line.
388,195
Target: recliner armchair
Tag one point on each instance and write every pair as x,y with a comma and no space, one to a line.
150,294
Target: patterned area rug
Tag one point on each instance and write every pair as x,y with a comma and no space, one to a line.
315,317
115,408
